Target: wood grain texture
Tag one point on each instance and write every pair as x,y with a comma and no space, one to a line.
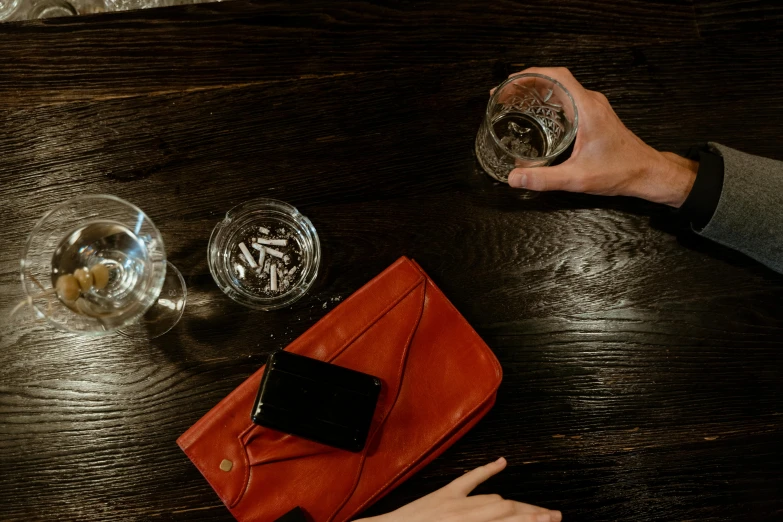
586,363
212,147
731,18
231,44
642,368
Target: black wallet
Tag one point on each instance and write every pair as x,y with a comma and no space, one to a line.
315,400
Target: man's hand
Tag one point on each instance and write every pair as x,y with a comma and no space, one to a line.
608,159
451,503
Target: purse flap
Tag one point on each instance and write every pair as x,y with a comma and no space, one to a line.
223,433
436,373
451,376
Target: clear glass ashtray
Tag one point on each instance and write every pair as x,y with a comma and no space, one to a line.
264,254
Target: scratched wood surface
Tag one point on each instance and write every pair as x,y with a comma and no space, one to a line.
642,363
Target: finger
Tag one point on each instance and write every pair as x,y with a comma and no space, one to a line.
547,71
476,501
466,483
551,516
534,516
495,511
561,177
564,76
511,510
521,507
560,74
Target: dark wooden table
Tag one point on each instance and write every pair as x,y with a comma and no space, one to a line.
643,365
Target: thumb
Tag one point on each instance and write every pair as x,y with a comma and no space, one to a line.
559,177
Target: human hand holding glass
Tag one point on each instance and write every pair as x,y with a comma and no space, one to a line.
608,159
530,121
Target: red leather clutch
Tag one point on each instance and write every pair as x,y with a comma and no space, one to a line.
438,379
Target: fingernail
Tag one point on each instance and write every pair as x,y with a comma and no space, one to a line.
517,179
555,516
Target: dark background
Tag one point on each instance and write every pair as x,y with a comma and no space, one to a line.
642,364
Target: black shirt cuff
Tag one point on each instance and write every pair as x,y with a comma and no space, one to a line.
702,201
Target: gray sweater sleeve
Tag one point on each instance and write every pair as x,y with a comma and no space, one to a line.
749,215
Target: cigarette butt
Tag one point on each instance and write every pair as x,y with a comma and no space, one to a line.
261,257
263,230
273,242
273,252
246,253
273,277
240,270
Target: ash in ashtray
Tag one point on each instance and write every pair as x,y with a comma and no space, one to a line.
268,261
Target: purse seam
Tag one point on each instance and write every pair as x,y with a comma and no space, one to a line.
482,343
243,451
400,377
498,373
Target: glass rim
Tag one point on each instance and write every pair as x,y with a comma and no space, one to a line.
9,9
569,138
239,294
40,223
38,8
